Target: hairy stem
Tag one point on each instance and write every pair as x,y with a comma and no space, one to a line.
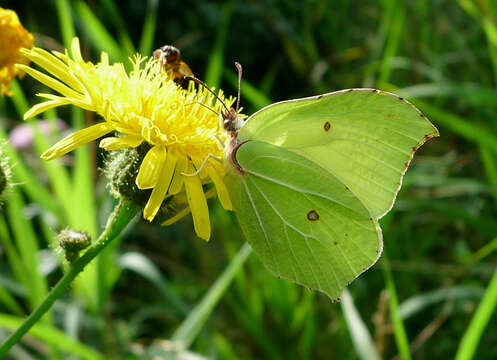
120,217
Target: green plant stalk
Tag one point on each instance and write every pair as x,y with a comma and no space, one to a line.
479,321
120,217
393,302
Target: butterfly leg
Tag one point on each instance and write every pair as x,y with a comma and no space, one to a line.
203,165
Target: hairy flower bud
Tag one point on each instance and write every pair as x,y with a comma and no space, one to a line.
121,169
72,242
4,173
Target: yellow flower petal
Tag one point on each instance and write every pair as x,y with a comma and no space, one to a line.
159,191
50,82
180,215
117,143
75,50
222,191
63,101
53,65
151,168
198,204
177,182
143,105
42,107
76,139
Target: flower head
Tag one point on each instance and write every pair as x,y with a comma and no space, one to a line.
179,126
13,37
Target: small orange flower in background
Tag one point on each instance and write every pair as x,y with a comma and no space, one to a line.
13,37
145,106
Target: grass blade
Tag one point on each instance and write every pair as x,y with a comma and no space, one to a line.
115,17
149,27
214,70
361,338
393,302
56,172
53,337
190,327
392,44
11,252
81,213
418,303
143,266
9,302
479,321
97,32
475,133
66,21
27,244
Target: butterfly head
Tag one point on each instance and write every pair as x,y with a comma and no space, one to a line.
231,121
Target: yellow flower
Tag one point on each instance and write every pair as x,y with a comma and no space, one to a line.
13,37
180,125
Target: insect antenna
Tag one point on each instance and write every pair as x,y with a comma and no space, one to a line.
199,103
239,67
200,82
231,121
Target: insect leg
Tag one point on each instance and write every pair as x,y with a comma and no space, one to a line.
203,165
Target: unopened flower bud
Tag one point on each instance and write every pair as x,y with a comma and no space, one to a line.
121,169
72,242
4,173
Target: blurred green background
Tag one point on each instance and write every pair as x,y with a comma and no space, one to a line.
160,284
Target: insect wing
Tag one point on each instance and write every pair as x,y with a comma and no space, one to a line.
366,138
304,224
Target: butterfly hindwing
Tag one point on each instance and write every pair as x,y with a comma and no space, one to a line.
303,223
364,137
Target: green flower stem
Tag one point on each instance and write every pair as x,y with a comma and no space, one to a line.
120,217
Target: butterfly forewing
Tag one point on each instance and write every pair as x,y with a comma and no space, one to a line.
304,223
364,137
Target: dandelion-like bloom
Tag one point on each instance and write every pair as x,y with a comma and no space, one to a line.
13,37
145,106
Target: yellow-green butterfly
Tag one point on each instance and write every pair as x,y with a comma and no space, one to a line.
309,179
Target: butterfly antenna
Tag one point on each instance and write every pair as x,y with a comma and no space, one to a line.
205,106
239,67
200,82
